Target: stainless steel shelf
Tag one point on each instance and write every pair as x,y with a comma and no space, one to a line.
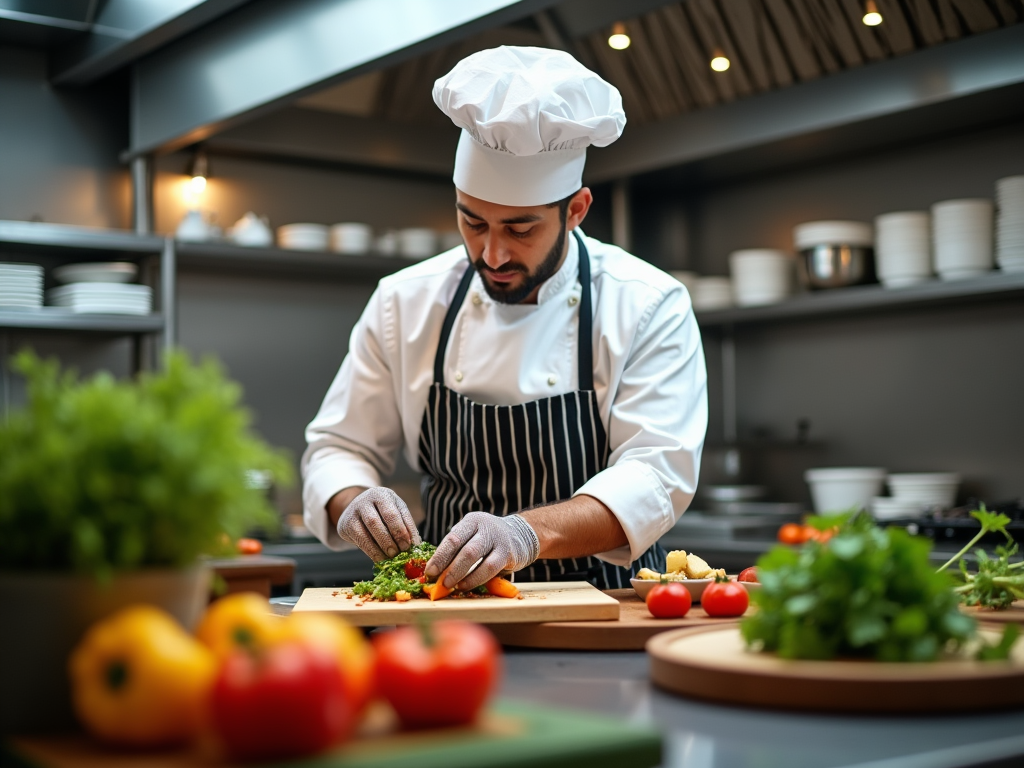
236,258
48,320
870,298
36,236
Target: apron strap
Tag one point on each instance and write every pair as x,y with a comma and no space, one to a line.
449,322
585,355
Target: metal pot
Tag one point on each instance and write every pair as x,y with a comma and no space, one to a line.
836,266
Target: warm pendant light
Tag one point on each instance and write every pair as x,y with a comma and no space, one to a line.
871,15
196,184
618,39
719,61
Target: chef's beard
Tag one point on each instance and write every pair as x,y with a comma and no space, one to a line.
512,294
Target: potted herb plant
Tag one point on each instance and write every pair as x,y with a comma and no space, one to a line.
110,494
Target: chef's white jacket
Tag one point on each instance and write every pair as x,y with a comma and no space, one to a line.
649,375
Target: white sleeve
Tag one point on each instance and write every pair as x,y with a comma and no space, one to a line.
658,421
355,437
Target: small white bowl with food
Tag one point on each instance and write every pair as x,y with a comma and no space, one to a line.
686,569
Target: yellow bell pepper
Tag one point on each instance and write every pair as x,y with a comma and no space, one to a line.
241,621
138,679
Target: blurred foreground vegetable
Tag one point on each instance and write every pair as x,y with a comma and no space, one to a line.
437,674
139,679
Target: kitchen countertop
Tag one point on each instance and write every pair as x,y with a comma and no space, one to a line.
704,735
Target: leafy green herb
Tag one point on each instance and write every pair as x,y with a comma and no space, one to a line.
389,575
997,582
991,522
100,475
867,592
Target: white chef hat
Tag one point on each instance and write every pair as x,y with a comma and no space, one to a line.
527,116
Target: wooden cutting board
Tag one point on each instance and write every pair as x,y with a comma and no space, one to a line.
511,734
713,663
1012,615
634,627
541,601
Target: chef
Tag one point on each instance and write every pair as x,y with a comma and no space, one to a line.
551,388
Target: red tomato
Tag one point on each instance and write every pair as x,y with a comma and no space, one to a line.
290,701
249,546
414,569
748,574
725,599
669,601
438,675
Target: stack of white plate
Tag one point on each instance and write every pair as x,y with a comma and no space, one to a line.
112,298
1010,224
760,276
962,234
21,286
417,242
712,293
903,248
890,508
304,237
351,237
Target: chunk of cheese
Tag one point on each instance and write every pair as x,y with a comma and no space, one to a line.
675,561
696,568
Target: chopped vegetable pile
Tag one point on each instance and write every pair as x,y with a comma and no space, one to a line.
402,578
867,592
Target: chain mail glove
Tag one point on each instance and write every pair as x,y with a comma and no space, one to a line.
379,523
503,544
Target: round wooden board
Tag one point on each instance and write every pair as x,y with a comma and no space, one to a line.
631,632
713,663
1012,615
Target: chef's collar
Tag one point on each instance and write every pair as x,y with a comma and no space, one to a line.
562,282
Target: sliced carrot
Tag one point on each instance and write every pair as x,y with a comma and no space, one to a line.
438,590
502,587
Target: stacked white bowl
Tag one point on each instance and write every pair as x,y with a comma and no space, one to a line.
417,242
304,237
913,493
838,489
760,276
903,248
962,233
351,237
21,286
712,293
1010,224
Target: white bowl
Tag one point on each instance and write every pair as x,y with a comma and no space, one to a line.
695,587
760,275
96,272
303,237
351,237
417,242
838,489
889,508
712,293
925,488
852,233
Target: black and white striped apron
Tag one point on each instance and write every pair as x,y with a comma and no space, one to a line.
505,458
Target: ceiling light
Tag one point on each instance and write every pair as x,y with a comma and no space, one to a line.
871,15
719,61
618,39
196,184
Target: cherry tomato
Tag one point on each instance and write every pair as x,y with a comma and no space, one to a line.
288,701
813,534
669,601
748,574
793,533
249,546
438,675
414,569
725,599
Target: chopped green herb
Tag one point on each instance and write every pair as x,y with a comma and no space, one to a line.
389,575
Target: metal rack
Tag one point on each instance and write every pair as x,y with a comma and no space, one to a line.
52,244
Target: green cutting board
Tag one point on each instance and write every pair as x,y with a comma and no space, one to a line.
512,735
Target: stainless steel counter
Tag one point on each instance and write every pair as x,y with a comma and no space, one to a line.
703,735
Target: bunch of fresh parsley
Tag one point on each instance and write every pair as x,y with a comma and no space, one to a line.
101,475
868,592
997,583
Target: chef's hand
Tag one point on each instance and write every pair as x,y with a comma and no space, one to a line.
379,523
504,543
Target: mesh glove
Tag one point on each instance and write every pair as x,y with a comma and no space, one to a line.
503,543
379,523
